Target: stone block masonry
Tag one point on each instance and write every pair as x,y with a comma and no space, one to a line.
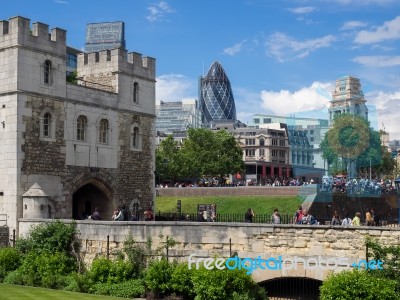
224,239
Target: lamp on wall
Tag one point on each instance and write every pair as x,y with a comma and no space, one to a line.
4,123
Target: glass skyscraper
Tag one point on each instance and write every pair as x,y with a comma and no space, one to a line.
216,98
105,36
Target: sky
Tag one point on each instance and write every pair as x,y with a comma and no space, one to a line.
282,56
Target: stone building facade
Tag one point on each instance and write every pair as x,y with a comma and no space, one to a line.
265,152
86,145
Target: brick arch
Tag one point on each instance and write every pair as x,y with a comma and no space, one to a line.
90,192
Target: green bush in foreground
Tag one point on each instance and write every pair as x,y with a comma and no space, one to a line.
10,260
358,285
164,278
49,270
128,289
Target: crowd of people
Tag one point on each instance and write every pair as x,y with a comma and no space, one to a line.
359,186
123,213
303,217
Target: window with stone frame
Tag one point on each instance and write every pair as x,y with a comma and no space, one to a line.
47,125
81,125
103,131
47,72
136,92
136,138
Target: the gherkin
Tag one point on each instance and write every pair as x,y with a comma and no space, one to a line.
216,98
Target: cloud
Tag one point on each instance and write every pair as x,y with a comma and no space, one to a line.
175,87
303,10
353,24
314,97
158,11
387,107
61,2
234,49
378,61
390,30
285,48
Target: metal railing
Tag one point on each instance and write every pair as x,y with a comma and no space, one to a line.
258,218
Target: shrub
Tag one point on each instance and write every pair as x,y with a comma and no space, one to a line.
48,237
158,277
181,281
49,270
10,259
16,277
225,284
108,271
128,289
358,285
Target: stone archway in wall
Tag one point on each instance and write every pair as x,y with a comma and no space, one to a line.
292,288
89,194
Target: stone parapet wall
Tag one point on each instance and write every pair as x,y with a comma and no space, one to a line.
224,239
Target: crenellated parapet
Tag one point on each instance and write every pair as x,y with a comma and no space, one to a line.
102,69
16,31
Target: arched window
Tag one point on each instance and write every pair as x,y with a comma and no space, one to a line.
135,137
262,142
46,72
103,131
81,128
135,92
47,125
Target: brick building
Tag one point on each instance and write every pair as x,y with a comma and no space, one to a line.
67,148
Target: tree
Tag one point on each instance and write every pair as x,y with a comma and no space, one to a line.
210,153
351,140
169,163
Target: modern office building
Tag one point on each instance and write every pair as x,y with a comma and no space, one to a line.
216,97
105,36
177,116
348,98
72,60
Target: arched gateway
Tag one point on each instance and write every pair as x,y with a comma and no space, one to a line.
92,193
292,288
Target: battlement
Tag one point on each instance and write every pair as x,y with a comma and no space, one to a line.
17,31
118,60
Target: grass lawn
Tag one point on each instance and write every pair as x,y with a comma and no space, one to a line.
19,292
231,204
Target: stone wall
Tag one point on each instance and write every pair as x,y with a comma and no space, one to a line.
247,240
4,236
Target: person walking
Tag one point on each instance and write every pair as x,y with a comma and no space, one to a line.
357,219
96,214
347,221
276,217
336,219
249,215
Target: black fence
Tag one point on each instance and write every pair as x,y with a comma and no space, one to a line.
258,218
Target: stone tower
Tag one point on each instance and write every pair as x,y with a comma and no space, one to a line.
87,145
348,98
